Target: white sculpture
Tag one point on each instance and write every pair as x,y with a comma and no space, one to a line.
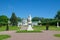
29,23
57,24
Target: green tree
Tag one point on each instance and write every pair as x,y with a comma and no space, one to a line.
19,19
3,20
35,19
57,15
13,19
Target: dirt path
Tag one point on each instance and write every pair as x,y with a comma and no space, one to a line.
45,35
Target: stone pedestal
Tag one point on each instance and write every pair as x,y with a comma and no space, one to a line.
24,27
29,28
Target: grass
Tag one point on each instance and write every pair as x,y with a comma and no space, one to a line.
44,28
36,28
25,31
2,37
3,28
39,27
54,28
13,28
57,35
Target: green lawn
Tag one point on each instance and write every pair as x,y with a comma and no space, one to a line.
2,37
37,28
25,31
44,28
13,28
57,35
3,28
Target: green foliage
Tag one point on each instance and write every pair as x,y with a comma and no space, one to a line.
3,20
39,23
45,21
35,19
57,35
4,37
19,19
50,22
57,15
13,20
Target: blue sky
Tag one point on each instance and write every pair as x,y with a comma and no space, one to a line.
22,8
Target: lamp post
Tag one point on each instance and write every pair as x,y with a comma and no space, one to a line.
7,27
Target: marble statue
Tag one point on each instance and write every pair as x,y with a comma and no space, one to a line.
29,23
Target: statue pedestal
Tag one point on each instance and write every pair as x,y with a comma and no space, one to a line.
29,28
24,27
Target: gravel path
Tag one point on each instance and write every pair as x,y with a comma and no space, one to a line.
45,35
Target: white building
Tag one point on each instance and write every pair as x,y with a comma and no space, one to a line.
24,22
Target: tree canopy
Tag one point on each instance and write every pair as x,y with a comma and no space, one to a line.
19,19
35,19
13,19
57,15
3,19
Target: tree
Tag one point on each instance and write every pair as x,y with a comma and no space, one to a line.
19,19
13,19
3,20
57,17
35,19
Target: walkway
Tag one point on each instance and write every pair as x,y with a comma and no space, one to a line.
45,35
